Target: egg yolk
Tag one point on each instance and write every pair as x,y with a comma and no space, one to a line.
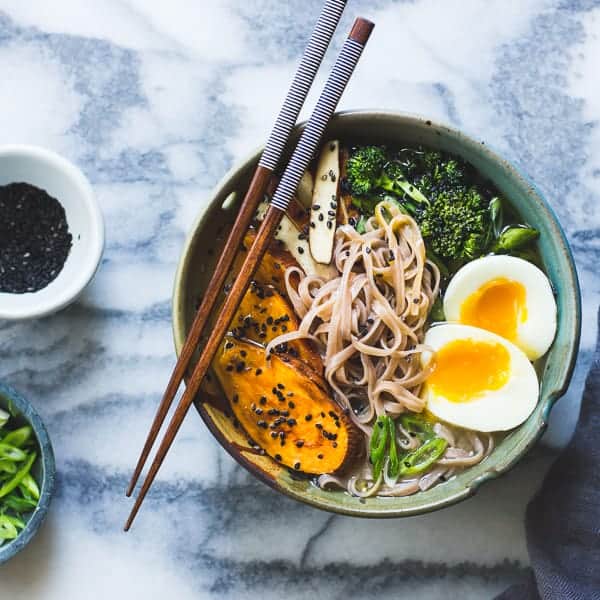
498,306
465,369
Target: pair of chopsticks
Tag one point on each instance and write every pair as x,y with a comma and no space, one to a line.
301,157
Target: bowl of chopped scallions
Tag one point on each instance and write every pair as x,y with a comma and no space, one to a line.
27,472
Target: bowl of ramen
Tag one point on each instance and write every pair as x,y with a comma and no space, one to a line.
408,331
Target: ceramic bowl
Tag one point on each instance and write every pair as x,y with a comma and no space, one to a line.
43,470
65,182
207,233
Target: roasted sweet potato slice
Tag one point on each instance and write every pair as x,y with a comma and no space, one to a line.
272,267
265,314
286,409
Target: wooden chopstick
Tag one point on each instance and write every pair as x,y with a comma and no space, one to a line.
307,146
288,115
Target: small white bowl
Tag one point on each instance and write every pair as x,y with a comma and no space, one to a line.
65,182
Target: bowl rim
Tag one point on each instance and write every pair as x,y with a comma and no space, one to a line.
225,186
70,289
26,410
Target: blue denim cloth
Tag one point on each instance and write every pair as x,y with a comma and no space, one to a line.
563,520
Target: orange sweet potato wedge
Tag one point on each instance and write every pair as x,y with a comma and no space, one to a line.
265,314
286,408
271,269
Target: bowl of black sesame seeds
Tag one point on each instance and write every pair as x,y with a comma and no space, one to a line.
51,232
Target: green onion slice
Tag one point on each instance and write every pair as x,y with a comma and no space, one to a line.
29,487
11,484
8,452
19,504
18,437
4,417
8,531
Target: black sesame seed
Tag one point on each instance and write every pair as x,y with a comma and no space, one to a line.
308,417
228,345
321,217
299,443
263,400
258,372
278,457
297,466
329,224
320,456
291,405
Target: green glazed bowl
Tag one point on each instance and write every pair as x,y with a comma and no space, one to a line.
43,469
207,235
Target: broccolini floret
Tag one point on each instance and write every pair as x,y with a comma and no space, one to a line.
457,224
369,171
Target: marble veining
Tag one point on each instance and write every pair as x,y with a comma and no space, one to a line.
155,101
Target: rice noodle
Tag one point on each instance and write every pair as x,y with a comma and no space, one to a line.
369,323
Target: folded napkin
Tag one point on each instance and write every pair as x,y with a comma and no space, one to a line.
563,520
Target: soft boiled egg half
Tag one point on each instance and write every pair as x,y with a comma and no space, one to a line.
508,296
479,380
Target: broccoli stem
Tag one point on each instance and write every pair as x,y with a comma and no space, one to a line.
391,185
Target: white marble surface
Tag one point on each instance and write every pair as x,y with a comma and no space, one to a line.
155,100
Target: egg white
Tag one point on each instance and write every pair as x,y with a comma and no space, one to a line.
491,410
534,334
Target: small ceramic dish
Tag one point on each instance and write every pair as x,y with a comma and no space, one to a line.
208,233
43,470
65,182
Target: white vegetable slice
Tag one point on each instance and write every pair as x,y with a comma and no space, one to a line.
323,219
305,189
297,245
